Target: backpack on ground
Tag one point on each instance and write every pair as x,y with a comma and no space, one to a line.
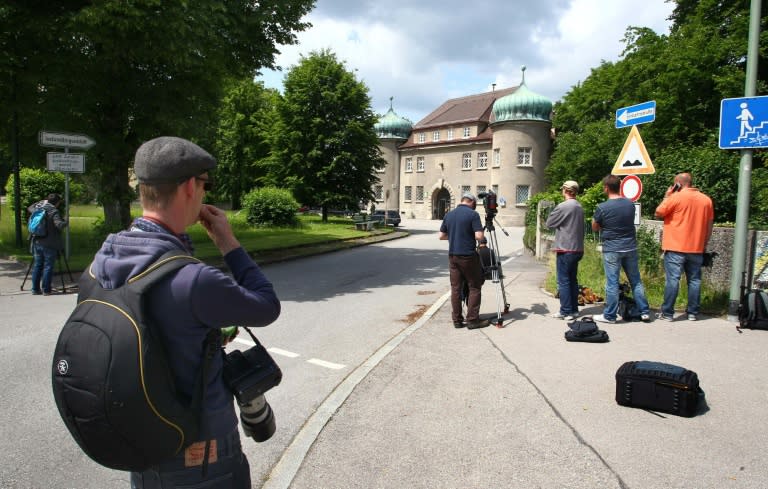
112,381
37,225
628,309
753,310
585,330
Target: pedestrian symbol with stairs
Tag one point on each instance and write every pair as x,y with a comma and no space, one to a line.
743,123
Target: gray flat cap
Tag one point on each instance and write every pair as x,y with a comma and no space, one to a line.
469,196
169,159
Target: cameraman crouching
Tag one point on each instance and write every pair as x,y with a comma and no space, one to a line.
173,176
462,228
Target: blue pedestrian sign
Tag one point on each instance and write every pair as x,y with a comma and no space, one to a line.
744,122
636,114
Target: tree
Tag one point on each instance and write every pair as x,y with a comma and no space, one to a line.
687,73
246,124
326,149
135,70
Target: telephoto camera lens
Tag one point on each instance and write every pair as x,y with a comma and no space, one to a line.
258,419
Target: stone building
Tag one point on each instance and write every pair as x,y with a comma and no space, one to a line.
496,141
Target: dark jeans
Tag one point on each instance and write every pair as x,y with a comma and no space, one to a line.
230,471
465,268
42,268
567,283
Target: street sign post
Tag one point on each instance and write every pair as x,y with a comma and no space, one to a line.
744,122
636,114
64,140
66,162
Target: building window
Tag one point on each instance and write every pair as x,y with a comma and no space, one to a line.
466,132
524,157
482,160
408,165
465,189
435,136
450,134
420,163
408,193
522,194
422,138
466,161
378,192
419,193
496,157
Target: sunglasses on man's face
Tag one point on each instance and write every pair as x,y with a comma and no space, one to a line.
207,183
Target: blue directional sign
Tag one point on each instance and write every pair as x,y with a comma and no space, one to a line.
744,122
636,114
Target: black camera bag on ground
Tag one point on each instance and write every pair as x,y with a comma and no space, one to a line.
627,306
585,330
660,387
112,382
753,310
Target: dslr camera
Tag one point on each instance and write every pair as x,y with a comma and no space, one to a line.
489,202
249,375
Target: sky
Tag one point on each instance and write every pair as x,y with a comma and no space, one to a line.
425,52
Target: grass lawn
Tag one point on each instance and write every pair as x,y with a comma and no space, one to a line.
85,238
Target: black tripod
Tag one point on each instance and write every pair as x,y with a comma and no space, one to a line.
59,258
491,263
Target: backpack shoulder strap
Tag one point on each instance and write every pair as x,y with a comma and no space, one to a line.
166,264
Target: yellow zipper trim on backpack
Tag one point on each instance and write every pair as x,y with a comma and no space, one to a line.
153,267
141,369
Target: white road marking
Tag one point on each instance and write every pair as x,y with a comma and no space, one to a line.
284,353
323,363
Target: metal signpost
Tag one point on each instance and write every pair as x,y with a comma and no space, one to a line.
65,162
634,158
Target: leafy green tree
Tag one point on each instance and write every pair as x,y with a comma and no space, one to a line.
130,71
246,124
687,73
326,149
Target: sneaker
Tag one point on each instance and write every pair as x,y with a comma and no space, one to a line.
458,324
692,317
599,318
646,318
480,323
36,292
663,317
567,317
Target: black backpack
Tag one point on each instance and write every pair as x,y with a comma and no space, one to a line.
112,382
585,330
753,310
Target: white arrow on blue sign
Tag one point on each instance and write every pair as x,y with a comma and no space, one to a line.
636,114
744,122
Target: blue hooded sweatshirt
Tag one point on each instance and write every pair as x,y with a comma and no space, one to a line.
187,304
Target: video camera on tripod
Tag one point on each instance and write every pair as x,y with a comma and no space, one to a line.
490,203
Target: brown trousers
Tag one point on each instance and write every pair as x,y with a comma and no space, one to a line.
465,268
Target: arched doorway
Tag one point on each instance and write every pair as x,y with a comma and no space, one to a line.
441,203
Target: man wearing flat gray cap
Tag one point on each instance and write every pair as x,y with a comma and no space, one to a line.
462,228
185,307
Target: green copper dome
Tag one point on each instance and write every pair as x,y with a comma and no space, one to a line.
523,105
392,125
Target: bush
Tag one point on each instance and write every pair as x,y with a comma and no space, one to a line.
270,206
35,185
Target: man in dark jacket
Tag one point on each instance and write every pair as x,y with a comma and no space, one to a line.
46,248
173,178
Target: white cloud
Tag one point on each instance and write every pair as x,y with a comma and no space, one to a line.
424,53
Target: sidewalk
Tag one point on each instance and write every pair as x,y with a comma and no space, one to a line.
519,407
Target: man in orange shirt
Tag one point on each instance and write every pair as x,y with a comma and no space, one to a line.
688,216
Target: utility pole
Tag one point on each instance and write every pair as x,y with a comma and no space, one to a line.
745,172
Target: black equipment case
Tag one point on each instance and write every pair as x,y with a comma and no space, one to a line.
658,387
